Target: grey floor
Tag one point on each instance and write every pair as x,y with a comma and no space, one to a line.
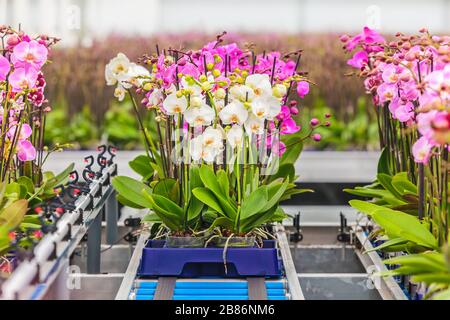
328,269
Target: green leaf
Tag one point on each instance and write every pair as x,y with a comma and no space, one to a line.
168,205
383,162
61,178
210,181
224,222
27,183
132,190
274,193
168,188
402,184
255,203
207,197
127,202
141,165
194,209
399,224
224,183
386,182
151,217
169,219
364,206
12,216
389,243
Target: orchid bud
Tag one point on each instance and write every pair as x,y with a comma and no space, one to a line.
13,40
216,73
293,103
316,137
209,66
294,110
220,94
206,86
314,122
196,101
202,78
279,90
147,86
217,58
344,38
327,123
327,115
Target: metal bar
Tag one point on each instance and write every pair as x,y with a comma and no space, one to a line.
388,288
257,288
94,245
112,215
165,288
291,274
130,274
332,275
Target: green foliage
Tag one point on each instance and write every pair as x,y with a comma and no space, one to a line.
355,130
398,226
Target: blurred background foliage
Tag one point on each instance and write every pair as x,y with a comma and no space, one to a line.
85,111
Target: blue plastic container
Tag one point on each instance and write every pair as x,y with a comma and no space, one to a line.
158,260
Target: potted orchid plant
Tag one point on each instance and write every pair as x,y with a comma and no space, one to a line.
23,109
226,140
409,80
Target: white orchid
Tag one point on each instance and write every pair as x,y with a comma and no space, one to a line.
200,151
199,116
193,88
254,125
117,70
242,93
260,84
235,135
267,107
213,137
137,74
120,92
174,105
234,112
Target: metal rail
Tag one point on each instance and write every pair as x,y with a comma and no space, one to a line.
291,274
388,287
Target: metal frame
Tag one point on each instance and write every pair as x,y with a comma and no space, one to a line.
291,274
130,274
389,288
33,278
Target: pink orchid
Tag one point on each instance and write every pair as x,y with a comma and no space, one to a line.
4,67
23,79
387,92
422,150
25,131
30,53
289,126
359,59
285,113
405,112
25,150
302,88
390,74
441,127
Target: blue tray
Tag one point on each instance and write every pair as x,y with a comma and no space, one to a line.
158,260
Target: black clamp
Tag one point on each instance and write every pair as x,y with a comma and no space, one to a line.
344,234
297,236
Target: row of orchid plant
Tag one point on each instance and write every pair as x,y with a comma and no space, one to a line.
226,139
23,108
409,80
